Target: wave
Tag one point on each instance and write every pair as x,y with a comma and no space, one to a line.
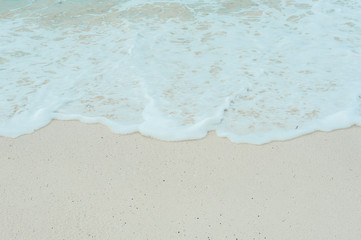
253,71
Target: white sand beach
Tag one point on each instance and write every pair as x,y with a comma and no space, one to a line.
71,180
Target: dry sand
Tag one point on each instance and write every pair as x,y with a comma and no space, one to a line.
71,180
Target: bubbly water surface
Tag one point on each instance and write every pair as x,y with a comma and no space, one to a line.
254,71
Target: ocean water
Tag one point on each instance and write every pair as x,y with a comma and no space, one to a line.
252,70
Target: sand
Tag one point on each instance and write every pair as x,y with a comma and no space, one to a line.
72,180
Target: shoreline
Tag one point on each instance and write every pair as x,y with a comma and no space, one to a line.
74,180
213,133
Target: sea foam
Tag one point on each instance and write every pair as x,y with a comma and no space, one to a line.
253,71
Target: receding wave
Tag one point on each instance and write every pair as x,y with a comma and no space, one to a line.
253,71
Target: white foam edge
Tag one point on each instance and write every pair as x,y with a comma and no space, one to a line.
112,125
199,130
339,120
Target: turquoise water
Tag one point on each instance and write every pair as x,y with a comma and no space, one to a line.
253,71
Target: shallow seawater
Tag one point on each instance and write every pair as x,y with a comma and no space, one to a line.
253,71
